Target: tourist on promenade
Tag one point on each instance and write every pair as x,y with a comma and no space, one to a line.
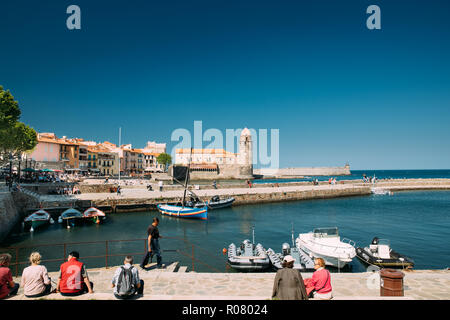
119,190
214,184
320,283
73,278
160,184
153,244
35,280
288,284
7,286
126,282
249,183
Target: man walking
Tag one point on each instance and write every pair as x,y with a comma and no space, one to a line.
153,244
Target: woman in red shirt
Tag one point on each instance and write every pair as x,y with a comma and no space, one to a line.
320,283
7,285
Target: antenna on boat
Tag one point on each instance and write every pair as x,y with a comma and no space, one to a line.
253,233
293,242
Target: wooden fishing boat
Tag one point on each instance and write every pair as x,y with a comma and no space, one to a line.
93,214
187,209
38,219
70,217
183,212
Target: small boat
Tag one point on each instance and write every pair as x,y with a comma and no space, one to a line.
381,191
379,253
70,216
326,243
38,219
216,203
94,214
187,209
183,212
248,256
302,260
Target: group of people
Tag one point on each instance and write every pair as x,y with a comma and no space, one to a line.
367,179
332,181
289,284
73,279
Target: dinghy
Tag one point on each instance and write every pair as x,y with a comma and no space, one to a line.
302,260
38,219
379,253
326,243
217,203
248,256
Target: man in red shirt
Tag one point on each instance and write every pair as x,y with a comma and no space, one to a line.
73,279
7,285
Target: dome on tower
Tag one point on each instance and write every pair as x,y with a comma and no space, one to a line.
246,132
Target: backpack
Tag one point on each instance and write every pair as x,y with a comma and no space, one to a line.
125,283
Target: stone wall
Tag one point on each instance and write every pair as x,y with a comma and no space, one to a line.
9,215
311,171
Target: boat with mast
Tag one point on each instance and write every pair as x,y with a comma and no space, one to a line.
184,211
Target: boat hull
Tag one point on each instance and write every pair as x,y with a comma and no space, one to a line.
186,212
395,263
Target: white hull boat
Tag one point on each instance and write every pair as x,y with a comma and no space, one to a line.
326,243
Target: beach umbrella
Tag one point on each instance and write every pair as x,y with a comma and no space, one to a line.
47,170
29,170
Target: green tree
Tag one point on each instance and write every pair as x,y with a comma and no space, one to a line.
15,137
9,109
164,159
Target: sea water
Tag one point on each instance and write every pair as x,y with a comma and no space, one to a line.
417,223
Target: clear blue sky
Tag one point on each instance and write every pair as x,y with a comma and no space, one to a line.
336,91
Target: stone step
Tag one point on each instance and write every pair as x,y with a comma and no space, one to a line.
182,269
172,267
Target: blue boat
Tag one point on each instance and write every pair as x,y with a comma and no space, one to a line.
183,212
70,216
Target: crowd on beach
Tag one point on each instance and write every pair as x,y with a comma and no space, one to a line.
73,278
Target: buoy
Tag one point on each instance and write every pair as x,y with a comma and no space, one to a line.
68,227
97,221
52,221
224,250
60,220
31,229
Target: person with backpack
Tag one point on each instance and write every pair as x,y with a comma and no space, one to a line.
126,282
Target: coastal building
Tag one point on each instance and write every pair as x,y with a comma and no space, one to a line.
219,163
55,153
153,147
92,160
46,152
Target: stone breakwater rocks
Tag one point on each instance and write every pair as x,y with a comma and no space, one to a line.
163,285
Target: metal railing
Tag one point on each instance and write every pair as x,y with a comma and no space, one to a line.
189,252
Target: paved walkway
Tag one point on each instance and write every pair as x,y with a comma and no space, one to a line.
169,285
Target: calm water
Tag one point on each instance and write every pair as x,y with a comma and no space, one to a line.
417,224
380,174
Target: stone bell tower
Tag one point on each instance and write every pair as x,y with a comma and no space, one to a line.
245,154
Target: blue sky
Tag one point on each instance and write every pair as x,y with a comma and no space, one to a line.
337,91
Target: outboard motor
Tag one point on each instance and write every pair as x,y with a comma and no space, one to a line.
375,240
286,249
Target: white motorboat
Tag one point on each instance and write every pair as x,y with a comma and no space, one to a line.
381,191
326,243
